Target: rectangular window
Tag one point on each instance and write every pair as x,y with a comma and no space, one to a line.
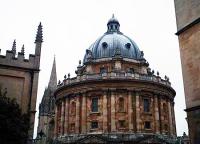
94,125
147,125
121,123
146,105
94,105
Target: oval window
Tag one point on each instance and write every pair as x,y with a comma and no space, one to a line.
128,45
104,45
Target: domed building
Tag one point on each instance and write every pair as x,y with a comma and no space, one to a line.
115,97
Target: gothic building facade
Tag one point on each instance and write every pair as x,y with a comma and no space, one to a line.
188,26
47,108
115,97
19,77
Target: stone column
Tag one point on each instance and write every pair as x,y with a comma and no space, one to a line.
105,113
156,111
66,116
173,119
130,111
83,114
170,118
62,117
137,112
77,114
160,114
113,125
56,119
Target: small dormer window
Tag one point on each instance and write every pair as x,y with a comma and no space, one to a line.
104,45
128,45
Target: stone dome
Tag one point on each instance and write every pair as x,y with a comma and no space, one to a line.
113,43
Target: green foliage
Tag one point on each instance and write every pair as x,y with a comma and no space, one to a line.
13,124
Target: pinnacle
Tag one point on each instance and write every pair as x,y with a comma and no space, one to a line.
39,35
23,50
14,47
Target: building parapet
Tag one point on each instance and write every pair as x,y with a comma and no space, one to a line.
115,75
10,60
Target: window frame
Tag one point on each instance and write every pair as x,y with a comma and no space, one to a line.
95,108
146,106
73,108
122,124
147,125
121,108
94,125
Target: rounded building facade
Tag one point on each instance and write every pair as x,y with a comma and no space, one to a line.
115,97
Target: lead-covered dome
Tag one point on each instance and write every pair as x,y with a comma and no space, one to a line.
113,43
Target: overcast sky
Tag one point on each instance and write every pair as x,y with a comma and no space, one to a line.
71,26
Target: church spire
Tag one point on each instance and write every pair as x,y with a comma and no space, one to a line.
53,78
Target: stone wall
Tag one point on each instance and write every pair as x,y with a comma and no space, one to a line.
187,11
19,78
190,58
188,26
78,120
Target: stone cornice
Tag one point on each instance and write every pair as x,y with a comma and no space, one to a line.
192,109
196,21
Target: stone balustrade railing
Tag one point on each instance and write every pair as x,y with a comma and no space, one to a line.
114,75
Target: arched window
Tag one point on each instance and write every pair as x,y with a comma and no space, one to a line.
121,104
146,105
73,108
94,105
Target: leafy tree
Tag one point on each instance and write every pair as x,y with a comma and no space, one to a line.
13,124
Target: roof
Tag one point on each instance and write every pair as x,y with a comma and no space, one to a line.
113,43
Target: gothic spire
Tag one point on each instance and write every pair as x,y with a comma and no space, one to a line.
23,50
39,35
53,78
14,47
